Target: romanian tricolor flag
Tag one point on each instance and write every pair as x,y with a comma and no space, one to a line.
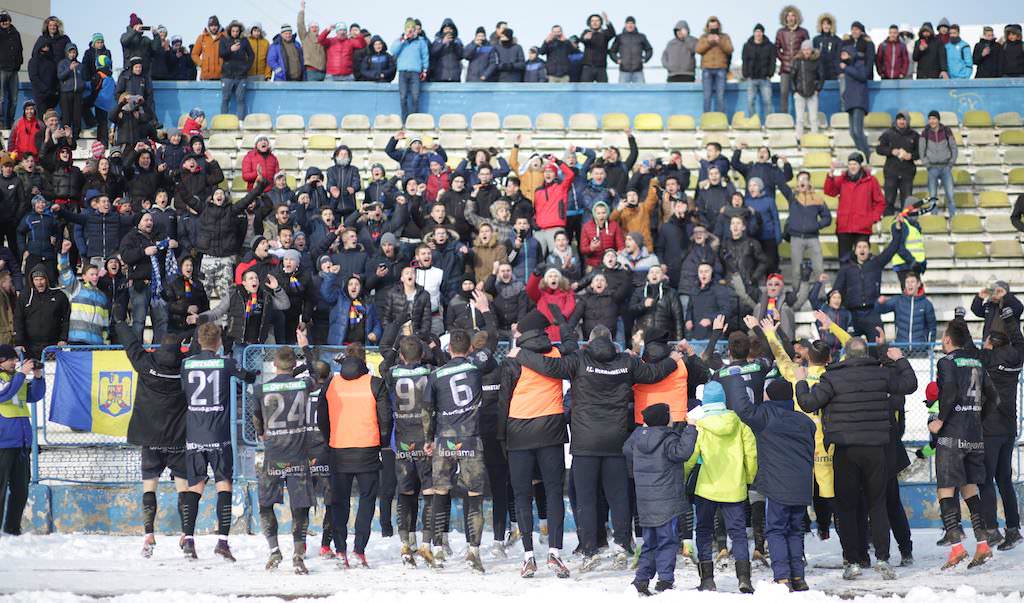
93,391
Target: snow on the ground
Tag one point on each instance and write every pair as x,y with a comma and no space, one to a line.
77,568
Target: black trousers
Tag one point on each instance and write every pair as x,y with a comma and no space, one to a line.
999,473
341,506
898,186
672,79
846,242
551,461
14,477
9,235
590,73
498,478
860,470
386,497
898,522
71,112
865,322
608,472
771,252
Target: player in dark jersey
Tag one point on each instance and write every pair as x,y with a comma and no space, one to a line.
284,421
456,389
206,379
412,408
965,393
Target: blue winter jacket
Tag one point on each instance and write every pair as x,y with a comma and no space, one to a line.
536,72
333,293
525,259
769,173
412,55
35,231
857,74
768,212
959,60
510,61
914,317
785,444
71,80
377,67
276,61
481,63
446,59
654,457
413,164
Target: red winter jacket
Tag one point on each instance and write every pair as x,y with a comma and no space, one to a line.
339,52
549,201
861,202
436,183
611,238
25,137
892,60
269,164
542,296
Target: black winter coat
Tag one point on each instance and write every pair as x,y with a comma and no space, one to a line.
1012,59
671,246
758,60
236,62
595,309
931,61
136,44
12,54
178,302
158,418
666,312
138,265
653,457
41,319
745,257
631,50
218,224
905,139
393,308
602,382
856,399
827,46
990,65
509,302
595,50
557,53
197,186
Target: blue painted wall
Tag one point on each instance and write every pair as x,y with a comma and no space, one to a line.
308,98
116,510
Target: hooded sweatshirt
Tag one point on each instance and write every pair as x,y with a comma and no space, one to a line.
678,56
378,66
446,57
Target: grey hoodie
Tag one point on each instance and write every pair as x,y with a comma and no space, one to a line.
678,56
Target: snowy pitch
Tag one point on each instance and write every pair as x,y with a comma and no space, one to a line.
66,568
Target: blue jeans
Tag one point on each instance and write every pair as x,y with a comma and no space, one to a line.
734,516
343,78
409,92
658,555
236,88
8,97
784,531
714,83
857,132
946,175
141,307
631,77
754,89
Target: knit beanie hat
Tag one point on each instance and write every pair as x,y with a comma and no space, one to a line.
935,114
134,20
637,238
481,30
97,37
656,415
931,392
759,26
389,238
806,45
533,321
779,389
97,149
713,398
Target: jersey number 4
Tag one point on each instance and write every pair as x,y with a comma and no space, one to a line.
296,414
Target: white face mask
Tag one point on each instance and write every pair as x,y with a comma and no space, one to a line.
342,161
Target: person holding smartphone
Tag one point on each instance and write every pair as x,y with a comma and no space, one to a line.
21,384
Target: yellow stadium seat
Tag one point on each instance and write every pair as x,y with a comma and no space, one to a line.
516,122
830,229
818,182
1012,137
817,159
999,223
645,122
781,202
289,122
963,200
1014,156
993,199
222,141
977,119
289,141
877,120
967,224
829,250
1010,119
752,139
830,202
986,176
1017,175
485,120
583,122
1006,249
238,185
781,139
961,177
387,121
949,118
985,156
741,122
288,161
938,249
969,250
933,224
224,121
257,121
917,120
921,178
326,121
614,121
681,122
839,121
452,121
714,120
778,121
815,141
550,122
784,249
321,142
419,121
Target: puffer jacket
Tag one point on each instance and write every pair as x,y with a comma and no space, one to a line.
277,63
378,66
861,202
653,458
678,56
394,308
857,73
557,53
446,57
339,52
260,51
593,309
481,66
788,41
542,296
103,232
914,317
809,75
894,138
509,301
727,452
714,56
510,61
218,224
930,56
758,59
708,302
630,51
136,44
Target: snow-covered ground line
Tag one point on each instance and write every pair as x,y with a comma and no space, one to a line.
72,568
